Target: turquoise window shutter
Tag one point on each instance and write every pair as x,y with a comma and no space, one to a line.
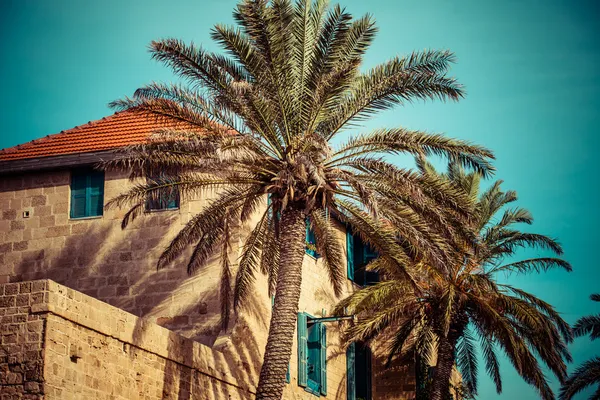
87,193
302,350
350,253
173,198
323,359
78,194
95,194
167,198
350,373
311,240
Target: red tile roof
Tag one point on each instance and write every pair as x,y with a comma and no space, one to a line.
117,130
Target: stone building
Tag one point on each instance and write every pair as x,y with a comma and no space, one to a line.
84,312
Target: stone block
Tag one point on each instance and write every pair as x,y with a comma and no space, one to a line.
5,247
79,228
39,200
20,246
22,300
32,387
60,208
17,225
9,215
25,287
11,289
47,221
43,211
62,230
39,286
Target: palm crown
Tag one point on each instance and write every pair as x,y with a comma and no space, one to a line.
463,303
289,83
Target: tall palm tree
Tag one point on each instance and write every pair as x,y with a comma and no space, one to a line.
288,85
588,373
463,303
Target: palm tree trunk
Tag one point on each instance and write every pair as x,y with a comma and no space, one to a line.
440,386
283,322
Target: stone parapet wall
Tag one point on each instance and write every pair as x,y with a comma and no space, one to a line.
61,344
22,340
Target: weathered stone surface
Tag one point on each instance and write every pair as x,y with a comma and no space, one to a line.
95,256
97,356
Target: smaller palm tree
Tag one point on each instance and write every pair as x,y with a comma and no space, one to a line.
463,304
588,373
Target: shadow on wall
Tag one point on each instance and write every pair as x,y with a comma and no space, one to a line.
97,258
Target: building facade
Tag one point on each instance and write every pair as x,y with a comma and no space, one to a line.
54,226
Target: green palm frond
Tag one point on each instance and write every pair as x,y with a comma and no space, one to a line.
466,361
250,260
330,248
534,265
459,299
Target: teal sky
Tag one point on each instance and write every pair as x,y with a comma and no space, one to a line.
531,68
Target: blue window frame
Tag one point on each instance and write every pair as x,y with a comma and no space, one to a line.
166,198
358,255
87,193
312,356
311,241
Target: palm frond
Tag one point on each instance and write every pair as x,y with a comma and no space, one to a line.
466,360
587,374
330,248
588,325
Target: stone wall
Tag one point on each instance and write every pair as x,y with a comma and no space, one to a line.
61,344
96,257
22,340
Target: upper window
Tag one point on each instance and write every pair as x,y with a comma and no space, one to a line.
87,193
312,355
166,198
359,254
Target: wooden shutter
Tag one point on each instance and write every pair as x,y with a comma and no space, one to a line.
78,190
323,341
302,350
350,376
95,194
350,253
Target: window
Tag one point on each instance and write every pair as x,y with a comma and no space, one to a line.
311,241
359,254
312,356
87,193
358,372
166,198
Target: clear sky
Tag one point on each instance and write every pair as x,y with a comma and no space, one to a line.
531,68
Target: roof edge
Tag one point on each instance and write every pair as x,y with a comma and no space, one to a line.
10,167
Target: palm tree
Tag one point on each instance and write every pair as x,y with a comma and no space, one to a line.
288,85
463,303
588,373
